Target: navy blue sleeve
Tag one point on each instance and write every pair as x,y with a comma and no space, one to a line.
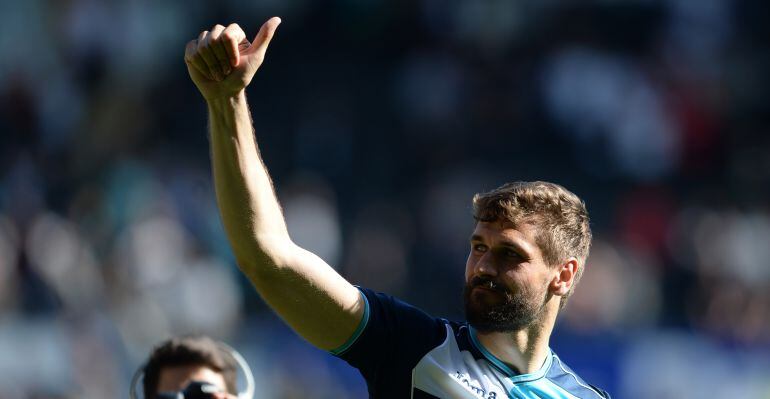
392,338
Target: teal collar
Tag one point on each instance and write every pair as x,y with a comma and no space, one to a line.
499,364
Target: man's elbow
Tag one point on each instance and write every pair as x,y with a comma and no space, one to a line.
267,257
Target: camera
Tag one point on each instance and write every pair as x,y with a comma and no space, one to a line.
193,390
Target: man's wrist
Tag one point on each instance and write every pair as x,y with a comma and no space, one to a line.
226,102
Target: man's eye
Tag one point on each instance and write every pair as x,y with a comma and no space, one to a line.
479,247
512,254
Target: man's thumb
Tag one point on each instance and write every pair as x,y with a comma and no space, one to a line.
265,34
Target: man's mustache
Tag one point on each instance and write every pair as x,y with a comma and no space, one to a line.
487,283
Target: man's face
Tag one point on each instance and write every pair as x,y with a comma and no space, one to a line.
506,278
176,378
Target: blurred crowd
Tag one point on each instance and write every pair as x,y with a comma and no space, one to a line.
378,121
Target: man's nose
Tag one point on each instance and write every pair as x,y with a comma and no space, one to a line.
486,265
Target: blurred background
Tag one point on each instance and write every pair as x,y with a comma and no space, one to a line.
378,121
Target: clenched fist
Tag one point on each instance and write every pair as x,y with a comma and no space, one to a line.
222,62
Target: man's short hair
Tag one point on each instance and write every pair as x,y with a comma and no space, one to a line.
189,351
559,215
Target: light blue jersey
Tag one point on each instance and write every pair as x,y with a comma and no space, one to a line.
404,353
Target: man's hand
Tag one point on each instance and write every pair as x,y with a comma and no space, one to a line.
222,62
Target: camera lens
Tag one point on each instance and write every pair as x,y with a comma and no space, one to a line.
200,390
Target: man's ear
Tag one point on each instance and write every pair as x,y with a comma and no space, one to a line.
565,277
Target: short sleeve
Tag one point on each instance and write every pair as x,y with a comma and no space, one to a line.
392,338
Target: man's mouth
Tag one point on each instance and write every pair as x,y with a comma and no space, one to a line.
489,286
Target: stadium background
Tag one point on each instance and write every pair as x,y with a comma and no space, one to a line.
378,120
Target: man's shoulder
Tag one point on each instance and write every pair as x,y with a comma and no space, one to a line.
565,378
397,325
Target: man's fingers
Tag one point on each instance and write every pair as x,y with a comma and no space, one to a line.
204,49
218,49
217,53
266,32
231,38
194,59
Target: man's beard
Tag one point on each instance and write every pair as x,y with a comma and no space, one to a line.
513,313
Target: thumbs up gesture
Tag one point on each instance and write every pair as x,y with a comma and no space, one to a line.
222,61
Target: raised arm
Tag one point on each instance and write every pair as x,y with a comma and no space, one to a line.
305,291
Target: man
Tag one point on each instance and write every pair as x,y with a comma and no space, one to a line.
188,365
526,254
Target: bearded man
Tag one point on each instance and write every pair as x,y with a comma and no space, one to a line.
527,252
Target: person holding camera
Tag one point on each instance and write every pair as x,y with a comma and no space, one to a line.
192,367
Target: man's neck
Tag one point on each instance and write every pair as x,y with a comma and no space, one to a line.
526,350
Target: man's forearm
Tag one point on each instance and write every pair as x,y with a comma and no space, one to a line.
250,211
